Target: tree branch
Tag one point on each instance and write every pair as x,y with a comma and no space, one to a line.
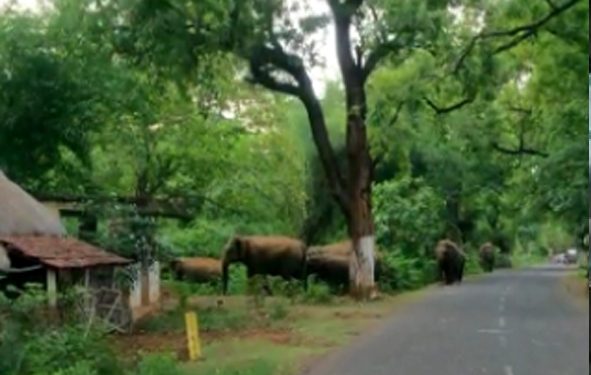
377,55
443,110
342,13
519,33
265,79
522,150
551,4
262,61
396,115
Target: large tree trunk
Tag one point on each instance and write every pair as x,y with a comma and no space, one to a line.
358,211
361,268
360,219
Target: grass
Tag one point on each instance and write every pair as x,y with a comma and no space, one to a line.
270,336
309,331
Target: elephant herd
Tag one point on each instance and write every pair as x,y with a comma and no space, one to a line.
291,259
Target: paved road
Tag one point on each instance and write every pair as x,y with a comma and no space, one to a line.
506,323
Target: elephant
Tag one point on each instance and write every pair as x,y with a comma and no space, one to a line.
197,269
330,263
487,256
451,261
265,255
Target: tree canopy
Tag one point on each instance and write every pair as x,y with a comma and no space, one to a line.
473,113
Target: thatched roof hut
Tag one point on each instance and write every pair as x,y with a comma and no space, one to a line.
21,214
34,247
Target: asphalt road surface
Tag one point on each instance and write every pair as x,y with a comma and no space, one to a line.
506,323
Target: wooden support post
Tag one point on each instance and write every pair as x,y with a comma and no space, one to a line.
52,287
193,342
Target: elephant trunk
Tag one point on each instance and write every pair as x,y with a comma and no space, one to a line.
304,269
225,266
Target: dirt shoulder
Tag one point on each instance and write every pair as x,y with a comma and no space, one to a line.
576,286
278,337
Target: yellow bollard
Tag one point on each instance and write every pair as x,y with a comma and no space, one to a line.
193,343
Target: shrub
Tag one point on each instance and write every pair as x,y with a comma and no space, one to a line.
408,216
31,343
54,349
79,368
278,310
406,273
318,292
158,364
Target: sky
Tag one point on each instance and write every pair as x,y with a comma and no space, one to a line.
326,42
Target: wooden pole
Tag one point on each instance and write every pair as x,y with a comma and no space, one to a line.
193,342
52,287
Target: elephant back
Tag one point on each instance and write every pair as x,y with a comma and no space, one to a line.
447,248
487,250
198,267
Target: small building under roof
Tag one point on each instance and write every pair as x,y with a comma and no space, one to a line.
34,248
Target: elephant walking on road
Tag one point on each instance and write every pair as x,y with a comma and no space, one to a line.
451,261
267,256
487,257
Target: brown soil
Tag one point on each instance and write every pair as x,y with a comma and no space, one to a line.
129,346
576,286
356,315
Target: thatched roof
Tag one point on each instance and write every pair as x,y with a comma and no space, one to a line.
21,214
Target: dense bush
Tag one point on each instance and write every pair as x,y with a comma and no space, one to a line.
34,341
408,216
405,273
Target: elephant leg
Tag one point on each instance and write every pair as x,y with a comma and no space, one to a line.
450,274
440,273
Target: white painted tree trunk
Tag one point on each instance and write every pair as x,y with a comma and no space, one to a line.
361,269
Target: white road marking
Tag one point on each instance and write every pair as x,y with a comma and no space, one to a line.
502,322
501,307
492,331
503,341
509,370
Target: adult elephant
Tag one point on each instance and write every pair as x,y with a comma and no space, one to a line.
487,256
197,269
265,255
330,263
451,261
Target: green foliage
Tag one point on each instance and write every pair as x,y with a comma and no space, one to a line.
408,216
317,293
406,273
61,346
42,87
158,364
129,101
79,368
32,342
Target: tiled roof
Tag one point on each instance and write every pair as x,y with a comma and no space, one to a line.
61,252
